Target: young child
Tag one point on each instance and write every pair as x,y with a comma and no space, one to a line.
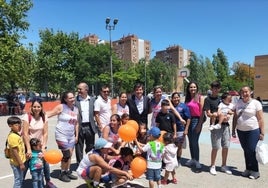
155,150
122,163
142,139
170,158
36,163
165,120
124,118
225,110
17,150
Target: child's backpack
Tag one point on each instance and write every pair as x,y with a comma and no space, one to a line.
7,151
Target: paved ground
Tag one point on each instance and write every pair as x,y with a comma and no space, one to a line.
186,176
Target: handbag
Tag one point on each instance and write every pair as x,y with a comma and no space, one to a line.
262,152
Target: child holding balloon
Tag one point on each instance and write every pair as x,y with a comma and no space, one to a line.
155,150
36,163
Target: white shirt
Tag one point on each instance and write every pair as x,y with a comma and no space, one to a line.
139,104
84,103
248,119
105,110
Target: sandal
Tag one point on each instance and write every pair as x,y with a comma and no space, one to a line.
174,181
163,182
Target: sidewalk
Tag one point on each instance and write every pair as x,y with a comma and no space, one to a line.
186,177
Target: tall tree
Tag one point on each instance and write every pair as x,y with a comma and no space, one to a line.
221,68
13,23
57,56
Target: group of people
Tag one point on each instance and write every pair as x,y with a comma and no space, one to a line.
82,117
15,103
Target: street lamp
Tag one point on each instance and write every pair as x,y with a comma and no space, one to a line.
110,28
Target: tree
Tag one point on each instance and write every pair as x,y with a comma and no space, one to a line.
221,68
57,56
243,73
12,25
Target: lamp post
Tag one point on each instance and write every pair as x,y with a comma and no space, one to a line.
110,27
145,79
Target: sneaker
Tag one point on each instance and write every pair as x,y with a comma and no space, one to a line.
197,165
71,176
213,170
217,126
49,184
226,170
190,162
254,175
246,173
164,182
64,177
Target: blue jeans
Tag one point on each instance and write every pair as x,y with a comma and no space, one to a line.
18,176
248,141
46,170
38,178
193,139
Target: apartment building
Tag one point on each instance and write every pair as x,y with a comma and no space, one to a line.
178,56
261,77
92,39
131,48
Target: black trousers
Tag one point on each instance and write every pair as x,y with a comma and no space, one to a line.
86,136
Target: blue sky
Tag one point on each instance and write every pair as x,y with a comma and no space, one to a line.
238,27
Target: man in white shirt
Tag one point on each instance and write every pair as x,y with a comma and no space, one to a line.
87,126
102,108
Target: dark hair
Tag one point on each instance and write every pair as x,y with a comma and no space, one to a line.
64,96
157,87
34,142
215,84
124,115
138,85
175,93
104,87
188,94
117,117
13,120
224,95
125,151
122,94
165,102
168,138
41,114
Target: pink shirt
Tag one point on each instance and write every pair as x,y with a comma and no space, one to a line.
194,107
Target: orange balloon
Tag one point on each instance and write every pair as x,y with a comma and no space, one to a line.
53,156
127,133
160,139
138,166
133,124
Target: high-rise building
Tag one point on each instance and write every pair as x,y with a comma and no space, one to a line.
131,48
178,56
